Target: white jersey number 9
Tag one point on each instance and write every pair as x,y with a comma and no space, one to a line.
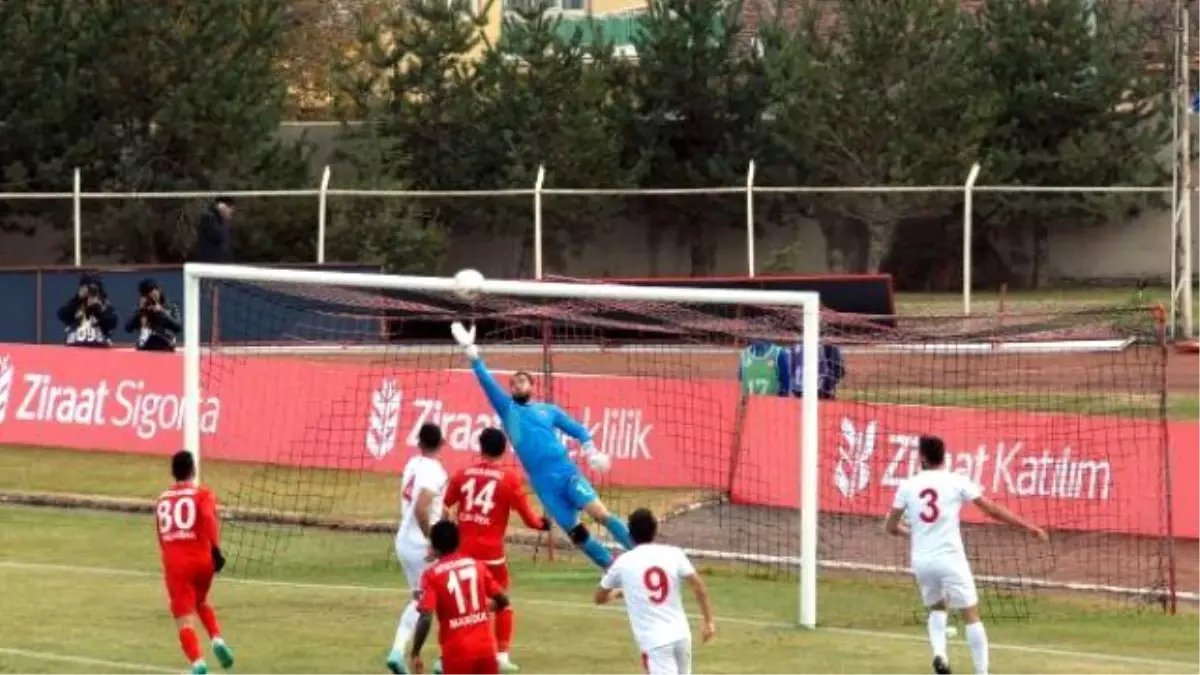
176,515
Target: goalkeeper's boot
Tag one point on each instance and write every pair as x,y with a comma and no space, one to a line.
223,653
200,668
395,662
941,666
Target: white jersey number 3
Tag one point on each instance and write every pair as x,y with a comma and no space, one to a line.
177,515
482,501
931,512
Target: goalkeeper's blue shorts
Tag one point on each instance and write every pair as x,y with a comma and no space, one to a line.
564,494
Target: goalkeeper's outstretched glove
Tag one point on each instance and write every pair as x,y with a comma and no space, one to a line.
465,339
599,461
218,559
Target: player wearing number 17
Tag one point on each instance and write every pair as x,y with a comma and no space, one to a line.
932,501
189,540
651,577
532,427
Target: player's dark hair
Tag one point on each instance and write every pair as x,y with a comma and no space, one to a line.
933,451
492,442
443,537
643,526
523,373
429,437
183,466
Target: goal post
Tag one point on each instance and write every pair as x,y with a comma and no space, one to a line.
805,331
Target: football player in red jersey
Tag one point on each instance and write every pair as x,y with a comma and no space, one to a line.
463,594
189,540
485,494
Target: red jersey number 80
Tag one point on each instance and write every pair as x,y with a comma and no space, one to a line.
931,512
176,515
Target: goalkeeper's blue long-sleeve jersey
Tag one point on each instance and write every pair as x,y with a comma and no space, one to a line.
531,428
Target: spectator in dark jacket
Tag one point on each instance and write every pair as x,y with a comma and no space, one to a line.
88,316
155,319
215,238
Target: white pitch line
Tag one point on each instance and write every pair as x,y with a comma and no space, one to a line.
902,637
87,661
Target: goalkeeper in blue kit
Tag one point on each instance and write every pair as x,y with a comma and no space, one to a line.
531,427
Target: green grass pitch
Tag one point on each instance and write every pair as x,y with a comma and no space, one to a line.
82,593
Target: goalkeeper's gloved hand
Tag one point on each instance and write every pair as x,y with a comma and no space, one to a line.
218,559
545,525
599,461
465,339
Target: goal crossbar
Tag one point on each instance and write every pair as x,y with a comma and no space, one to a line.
807,301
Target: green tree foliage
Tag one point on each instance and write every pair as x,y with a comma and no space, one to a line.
878,93
1082,102
152,96
698,97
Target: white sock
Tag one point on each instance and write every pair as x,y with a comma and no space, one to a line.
937,632
218,640
977,640
408,624
502,657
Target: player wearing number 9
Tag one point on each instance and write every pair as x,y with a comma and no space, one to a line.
932,501
533,429
464,595
189,541
650,577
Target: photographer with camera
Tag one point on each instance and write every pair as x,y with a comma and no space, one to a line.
88,316
155,319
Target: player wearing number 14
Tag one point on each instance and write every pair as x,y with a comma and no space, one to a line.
189,540
932,501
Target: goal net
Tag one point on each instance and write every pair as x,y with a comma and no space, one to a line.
322,380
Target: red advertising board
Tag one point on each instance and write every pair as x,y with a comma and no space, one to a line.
1089,473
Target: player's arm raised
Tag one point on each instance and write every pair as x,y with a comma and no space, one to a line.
998,512
496,395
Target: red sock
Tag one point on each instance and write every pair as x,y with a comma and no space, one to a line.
504,629
209,618
190,643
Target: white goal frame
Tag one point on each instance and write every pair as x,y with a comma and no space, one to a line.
807,301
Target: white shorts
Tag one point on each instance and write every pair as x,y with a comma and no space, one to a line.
412,561
950,581
674,658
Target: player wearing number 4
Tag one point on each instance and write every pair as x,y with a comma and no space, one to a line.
423,488
189,539
650,578
464,595
485,495
557,481
931,501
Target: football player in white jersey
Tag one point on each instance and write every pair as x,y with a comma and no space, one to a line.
931,501
423,489
650,576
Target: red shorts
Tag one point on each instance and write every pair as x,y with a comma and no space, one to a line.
499,572
470,664
187,586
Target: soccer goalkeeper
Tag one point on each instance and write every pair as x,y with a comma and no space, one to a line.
563,491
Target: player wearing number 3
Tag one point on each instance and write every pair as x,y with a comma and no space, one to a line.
931,501
650,577
485,495
532,428
189,540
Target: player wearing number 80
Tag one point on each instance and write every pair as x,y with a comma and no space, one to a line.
533,428
649,577
463,594
189,540
485,494
932,501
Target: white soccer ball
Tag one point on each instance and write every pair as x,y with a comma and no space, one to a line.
468,283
